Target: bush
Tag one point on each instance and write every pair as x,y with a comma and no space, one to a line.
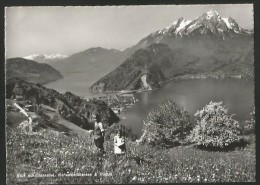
249,125
166,125
215,127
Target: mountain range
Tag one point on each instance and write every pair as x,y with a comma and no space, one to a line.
207,27
44,58
208,45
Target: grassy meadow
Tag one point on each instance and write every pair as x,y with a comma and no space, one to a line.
51,157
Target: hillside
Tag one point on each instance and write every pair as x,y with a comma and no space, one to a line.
31,71
128,75
68,106
75,160
160,63
208,46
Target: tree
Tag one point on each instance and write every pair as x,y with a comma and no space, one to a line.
215,127
18,89
249,125
166,125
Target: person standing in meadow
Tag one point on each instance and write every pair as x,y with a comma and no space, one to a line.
119,143
98,133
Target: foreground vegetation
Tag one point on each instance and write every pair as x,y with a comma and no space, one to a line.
66,159
172,149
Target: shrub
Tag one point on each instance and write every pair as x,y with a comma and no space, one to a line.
215,127
249,125
166,125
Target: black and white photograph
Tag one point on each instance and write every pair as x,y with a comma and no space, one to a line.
130,94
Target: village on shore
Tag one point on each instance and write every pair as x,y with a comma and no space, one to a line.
119,102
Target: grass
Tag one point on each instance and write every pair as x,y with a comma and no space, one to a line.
52,153
15,118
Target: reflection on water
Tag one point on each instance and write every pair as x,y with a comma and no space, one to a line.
193,95
145,97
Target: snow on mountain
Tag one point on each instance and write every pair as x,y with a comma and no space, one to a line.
45,57
31,57
182,24
227,23
175,27
165,30
210,21
212,13
55,56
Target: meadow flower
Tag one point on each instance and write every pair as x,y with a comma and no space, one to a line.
134,178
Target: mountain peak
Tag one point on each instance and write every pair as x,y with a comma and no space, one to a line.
212,13
176,26
181,19
208,23
181,23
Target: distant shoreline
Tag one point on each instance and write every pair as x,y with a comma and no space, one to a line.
181,77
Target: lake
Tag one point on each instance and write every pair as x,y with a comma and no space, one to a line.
76,84
237,95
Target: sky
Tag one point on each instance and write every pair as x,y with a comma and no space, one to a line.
68,30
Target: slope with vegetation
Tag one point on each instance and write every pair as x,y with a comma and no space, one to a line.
75,160
69,106
31,71
128,75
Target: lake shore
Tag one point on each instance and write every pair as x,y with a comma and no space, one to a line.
181,77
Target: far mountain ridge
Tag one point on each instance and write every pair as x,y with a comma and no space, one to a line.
89,65
101,49
45,58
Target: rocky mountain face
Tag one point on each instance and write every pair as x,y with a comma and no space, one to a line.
207,30
69,106
31,71
208,45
